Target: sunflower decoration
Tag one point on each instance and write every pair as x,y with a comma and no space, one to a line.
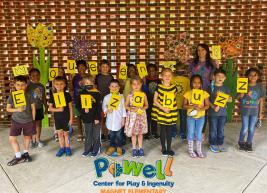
41,36
178,48
80,49
232,47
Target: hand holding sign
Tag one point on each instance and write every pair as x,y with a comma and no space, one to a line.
197,97
20,70
71,66
114,102
59,99
19,99
53,73
138,99
221,99
242,85
93,67
86,101
123,72
141,67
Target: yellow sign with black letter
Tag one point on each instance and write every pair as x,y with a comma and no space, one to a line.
19,99
197,97
138,99
221,99
59,99
242,85
93,67
114,101
86,101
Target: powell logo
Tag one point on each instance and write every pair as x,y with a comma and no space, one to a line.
135,169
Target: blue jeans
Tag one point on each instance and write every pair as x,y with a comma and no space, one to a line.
194,128
115,138
183,115
216,129
248,124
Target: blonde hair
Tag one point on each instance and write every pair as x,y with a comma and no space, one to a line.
90,78
136,78
164,70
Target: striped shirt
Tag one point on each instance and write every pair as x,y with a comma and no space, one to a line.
158,114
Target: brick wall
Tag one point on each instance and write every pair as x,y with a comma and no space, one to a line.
128,30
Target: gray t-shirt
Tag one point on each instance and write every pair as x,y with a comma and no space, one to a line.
213,94
26,115
250,102
37,90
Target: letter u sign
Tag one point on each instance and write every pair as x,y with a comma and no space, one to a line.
197,97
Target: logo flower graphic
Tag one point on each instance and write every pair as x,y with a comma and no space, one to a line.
80,49
41,36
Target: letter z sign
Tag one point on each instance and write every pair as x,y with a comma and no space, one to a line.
221,99
242,85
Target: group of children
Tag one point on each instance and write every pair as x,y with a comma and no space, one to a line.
145,105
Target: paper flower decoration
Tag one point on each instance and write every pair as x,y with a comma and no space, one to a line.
178,48
169,64
231,47
80,49
41,36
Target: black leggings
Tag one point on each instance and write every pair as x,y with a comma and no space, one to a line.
166,134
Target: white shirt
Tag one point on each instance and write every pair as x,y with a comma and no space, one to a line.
114,119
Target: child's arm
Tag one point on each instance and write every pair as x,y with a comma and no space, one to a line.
13,110
206,104
53,109
145,103
165,109
33,111
71,113
127,103
186,104
261,106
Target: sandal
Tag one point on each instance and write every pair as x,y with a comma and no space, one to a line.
15,161
192,154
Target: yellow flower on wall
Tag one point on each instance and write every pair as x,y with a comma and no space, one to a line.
41,36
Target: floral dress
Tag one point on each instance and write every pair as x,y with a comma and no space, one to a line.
136,124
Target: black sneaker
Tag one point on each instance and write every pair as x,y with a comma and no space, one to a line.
249,147
164,153
26,157
242,146
170,153
155,135
15,161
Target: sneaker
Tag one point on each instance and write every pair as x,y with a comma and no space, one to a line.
110,151
242,146
79,138
15,161
135,153
68,151
60,152
170,153
214,149
40,144
32,144
155,135
249,147
141,152
222,149
182,137
94,154
119,151
85,154
164,153
26,157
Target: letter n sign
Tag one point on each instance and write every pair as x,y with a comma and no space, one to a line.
197,97
168,99
19,98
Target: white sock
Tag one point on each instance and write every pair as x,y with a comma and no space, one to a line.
18,155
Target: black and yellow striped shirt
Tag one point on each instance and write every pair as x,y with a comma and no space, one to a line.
158,114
